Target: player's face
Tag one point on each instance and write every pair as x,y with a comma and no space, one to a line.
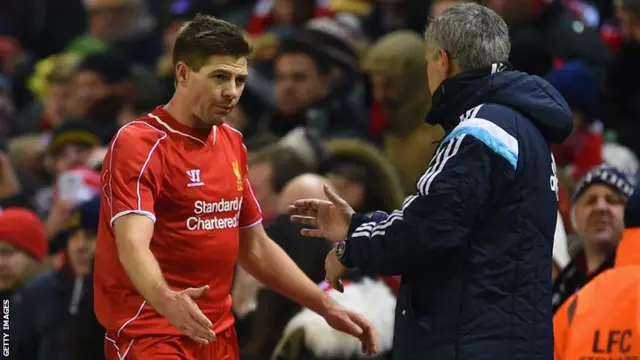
598,217
14,265
214,91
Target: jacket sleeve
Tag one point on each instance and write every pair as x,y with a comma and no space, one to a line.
438,217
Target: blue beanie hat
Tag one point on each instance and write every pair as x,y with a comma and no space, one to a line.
578,85
88,214
605,174
85,216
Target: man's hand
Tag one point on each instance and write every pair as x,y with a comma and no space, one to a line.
353,324
331,218
335,271
182,312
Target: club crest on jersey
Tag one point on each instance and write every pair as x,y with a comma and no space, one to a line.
194,178
236,171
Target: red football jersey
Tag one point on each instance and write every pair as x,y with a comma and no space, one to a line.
193,184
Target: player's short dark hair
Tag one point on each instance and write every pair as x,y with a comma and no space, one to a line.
206,36
289,46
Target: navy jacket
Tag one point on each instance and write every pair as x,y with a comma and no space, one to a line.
474,243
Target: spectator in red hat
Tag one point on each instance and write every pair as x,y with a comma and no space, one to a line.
23,247
63,289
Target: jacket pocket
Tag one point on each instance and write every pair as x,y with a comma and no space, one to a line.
406,315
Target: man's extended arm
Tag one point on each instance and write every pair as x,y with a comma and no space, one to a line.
270,265
133,235
450,194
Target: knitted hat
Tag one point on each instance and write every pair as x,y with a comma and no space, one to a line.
24,230
578,85
608,175
84,217
75,131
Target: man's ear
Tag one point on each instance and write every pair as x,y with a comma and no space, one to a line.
450,66
182,72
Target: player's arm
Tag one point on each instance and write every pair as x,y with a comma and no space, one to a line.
436,219
270,265
133,235
132,177
267,262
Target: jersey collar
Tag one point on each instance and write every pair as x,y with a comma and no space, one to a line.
177,127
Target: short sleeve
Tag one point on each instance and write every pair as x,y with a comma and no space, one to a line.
250,214
132,171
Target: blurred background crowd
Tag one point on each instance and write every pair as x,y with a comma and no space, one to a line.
337,93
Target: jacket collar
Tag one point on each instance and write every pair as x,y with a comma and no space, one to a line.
458,93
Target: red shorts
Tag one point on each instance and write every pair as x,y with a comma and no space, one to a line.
170,347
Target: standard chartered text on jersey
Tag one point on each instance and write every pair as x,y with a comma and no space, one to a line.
195,223
205,207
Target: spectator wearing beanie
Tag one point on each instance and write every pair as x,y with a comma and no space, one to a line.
577,84
72,144
597,216
23,246
607,302
63,288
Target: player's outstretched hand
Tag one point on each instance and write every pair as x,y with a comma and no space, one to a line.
331,219
354,324
183,313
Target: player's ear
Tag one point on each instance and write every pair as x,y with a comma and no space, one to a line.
182,73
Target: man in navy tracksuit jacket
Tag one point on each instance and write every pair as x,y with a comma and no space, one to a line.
474,243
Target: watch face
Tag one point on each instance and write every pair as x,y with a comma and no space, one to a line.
341,249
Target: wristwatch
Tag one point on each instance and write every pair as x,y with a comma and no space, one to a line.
341,253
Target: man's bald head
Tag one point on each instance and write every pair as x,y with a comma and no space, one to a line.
305,186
